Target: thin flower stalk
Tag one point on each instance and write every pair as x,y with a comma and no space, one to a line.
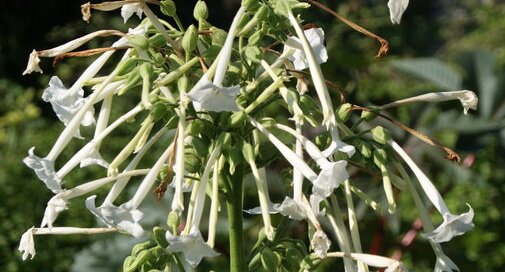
353,224
337,223
178,200
214,207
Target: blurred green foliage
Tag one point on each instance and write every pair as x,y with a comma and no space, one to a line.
456,34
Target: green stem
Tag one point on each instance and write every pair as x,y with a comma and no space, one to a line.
234,203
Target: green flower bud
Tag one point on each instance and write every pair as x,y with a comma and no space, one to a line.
142,258
168,8
132,81
253,53
248,152
136,249
128,262
196,127
126,66
293,257
268,122
190,39
183,84
173,221
343,112
159,236
363,147
368,115
172,122
157,40
139,41
250,4
237,118
234,158
146,71
381,135
255,38
262,12
380,157
224,140
200,12
310,262
218,36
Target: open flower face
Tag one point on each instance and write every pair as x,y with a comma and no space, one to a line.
33,63
294,210
66,104
44,169
208,96
123,217
27,244
320,243
330,177
316,40
191,246
453,225
53,209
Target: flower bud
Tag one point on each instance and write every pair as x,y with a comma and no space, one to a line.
237,117
255,38
142,258
139,41
146,70
190,39
380,135
225,140
159,236
250,4
183,84
200,12
268,259
168,7
368,115
173,221
136,249
128,262
253,53
192,162
343,112
248,151
126,66
262,13
380,157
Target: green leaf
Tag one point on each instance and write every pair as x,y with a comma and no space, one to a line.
430,69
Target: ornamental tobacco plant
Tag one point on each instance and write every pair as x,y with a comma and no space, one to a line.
218,101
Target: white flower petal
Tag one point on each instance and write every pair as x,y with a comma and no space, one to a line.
128,10
55,205
33,63
94,157
44,169
208,96
123,217
273,208
316,40
337,144
396,9
330,177
27,244
469,100
191,246
444,264
66,104
453,225
320,243
292,209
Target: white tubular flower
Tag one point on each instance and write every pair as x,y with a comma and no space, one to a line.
320,243
396,9
293,209
453,225
55,205
128,10
315,36
66,104
191,246
44,169
330,177
468,99
337,144
33,63
208,96
34,59
27,245
316,74
125,217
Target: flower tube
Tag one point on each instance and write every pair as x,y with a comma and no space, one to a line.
453,225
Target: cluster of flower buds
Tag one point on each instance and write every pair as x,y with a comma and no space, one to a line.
223,110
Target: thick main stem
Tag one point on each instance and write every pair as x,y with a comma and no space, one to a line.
234,204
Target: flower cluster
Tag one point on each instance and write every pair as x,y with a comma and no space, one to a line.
205,98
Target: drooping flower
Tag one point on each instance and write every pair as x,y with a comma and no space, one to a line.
396,9
44,169
54,206
315,36
468,99
66,104
453,225
27,244
33,63
124,217
129,9
330,177
192,246
443,263
320,243
208,96
292,209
